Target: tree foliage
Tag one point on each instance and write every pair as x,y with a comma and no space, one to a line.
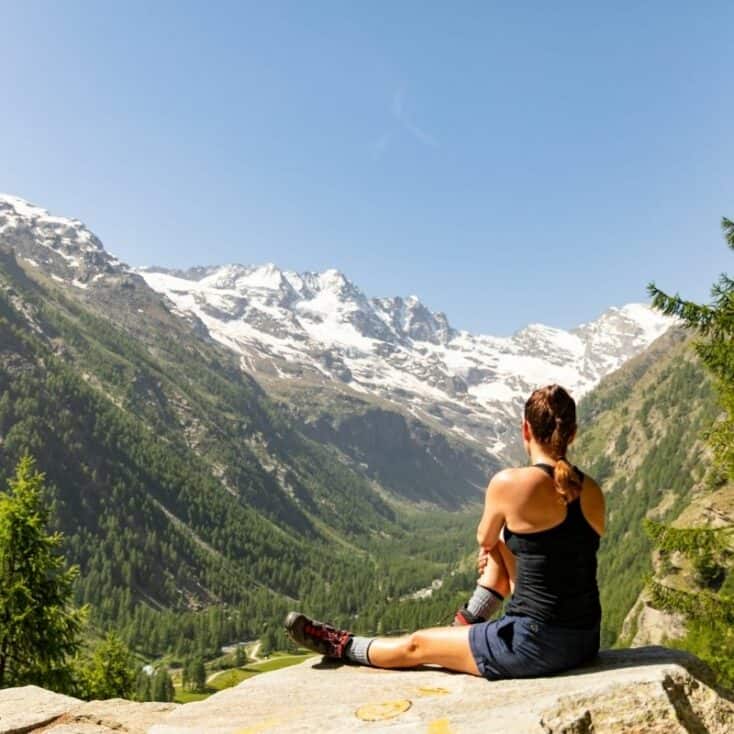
715,324
196,675
161,686
111,671
693,541
709,611
40,629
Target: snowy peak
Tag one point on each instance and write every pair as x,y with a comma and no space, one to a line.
241,279
64,247
409,319
635,319
333,281
325,306
13,207
322,326
628,329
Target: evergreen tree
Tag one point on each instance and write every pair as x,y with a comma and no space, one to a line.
162,686
710,611
186,675
197,675
40,629
110,674
268,642
239,656
715,323
143,687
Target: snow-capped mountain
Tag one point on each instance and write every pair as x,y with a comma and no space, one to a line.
320,328
64,247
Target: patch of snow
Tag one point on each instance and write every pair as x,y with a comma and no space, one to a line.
67,238
323,326
397,349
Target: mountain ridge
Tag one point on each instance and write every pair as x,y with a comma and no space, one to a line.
320,328
323,328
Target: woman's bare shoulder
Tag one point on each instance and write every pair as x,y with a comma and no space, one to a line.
591,486
510,478
592,504
510,474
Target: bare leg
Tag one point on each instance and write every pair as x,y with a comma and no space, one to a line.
445,646
499,572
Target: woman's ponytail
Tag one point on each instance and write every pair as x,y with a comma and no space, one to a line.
566,480
551,413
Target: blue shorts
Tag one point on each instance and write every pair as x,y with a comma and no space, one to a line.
520,647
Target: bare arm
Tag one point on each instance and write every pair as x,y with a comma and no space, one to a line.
592,505
493,517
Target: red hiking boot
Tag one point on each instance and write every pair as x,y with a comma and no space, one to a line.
317,636
464,617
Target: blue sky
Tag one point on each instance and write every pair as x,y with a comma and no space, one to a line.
506,162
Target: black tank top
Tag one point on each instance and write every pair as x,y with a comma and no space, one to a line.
556,570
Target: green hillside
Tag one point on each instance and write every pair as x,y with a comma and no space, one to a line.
642,437
179,485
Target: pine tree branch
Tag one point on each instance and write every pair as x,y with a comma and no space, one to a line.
702,604
694,315
727,227
691,541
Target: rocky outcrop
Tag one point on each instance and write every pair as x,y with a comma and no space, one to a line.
645,625
649,690
33,709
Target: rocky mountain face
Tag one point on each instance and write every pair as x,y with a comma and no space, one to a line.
321,328
352,370
64,253
179,484
62,247
711,508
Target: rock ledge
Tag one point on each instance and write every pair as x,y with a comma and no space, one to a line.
650,690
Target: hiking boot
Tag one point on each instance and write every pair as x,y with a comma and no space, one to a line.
464,617
317,636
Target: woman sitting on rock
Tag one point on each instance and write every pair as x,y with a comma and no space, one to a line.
538,537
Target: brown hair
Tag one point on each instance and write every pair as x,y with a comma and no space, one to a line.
551,413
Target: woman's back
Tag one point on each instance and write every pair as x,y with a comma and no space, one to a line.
554,546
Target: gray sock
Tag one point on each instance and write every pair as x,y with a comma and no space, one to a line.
357,649
484,602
